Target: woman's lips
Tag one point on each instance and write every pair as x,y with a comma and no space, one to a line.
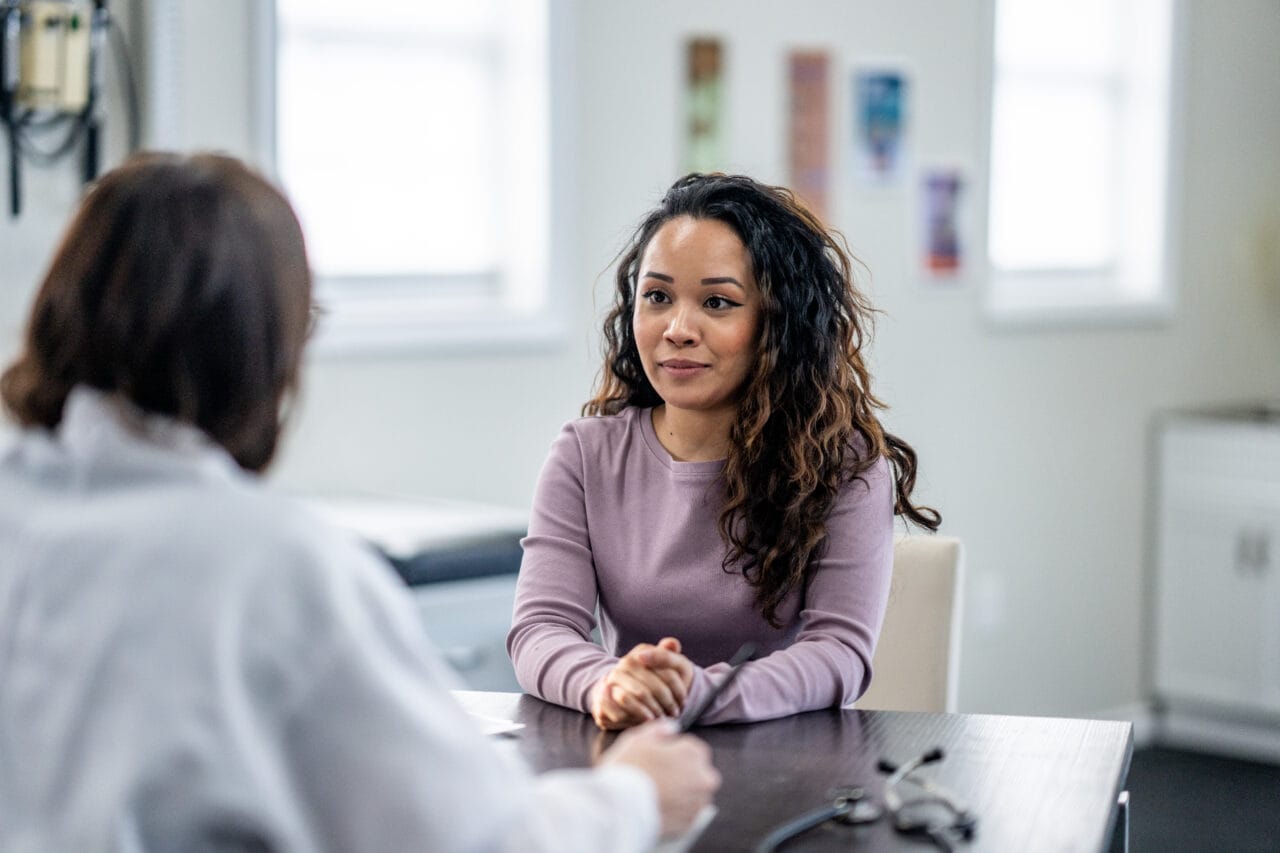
681,368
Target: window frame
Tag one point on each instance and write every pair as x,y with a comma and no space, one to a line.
400,317
1056,298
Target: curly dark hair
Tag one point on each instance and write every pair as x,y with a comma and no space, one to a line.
181,284
807,421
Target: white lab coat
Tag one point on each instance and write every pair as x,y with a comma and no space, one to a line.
188,662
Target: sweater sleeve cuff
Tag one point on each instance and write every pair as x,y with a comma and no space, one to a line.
593,676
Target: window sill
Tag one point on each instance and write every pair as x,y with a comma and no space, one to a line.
430,330
1019,303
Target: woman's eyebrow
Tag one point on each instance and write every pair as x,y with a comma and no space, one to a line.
723,279
711,281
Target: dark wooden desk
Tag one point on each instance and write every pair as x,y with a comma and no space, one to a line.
1035,783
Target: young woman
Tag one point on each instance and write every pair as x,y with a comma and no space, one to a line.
732,482
188,662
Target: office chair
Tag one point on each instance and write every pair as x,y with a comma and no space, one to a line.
917,661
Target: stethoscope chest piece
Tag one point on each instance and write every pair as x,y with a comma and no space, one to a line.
854,805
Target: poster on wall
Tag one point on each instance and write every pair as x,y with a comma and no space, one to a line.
809,129
880,126
942,251
704,106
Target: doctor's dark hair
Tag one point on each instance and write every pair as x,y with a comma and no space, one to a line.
182,285
807,421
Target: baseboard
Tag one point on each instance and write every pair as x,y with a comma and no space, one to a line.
1199,730
1238,738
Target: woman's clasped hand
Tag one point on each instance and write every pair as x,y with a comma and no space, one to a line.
648,682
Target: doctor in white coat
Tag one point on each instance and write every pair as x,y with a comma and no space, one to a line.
188,662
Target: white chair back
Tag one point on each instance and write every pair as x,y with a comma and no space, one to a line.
917,660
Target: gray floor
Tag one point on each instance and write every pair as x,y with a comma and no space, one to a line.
1186,801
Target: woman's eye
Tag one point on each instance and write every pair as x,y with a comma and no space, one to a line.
655,296
715,303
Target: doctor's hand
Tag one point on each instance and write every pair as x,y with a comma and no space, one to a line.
679,765
647,683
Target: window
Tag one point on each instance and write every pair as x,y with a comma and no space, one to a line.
413,139
1080,131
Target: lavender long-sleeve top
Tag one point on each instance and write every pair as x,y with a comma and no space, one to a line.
619,525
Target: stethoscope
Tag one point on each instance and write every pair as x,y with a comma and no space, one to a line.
851,805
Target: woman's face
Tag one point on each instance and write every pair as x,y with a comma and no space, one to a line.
697,315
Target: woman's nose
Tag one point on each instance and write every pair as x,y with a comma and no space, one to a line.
681,330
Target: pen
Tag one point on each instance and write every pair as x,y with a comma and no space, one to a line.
741,656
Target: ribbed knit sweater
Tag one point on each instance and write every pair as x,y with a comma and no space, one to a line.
620,527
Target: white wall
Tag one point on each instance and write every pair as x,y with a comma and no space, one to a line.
1033,444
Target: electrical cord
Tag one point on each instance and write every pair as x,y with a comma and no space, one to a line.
48,157
130,84
25,126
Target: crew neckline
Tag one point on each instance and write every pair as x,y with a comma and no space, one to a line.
651,440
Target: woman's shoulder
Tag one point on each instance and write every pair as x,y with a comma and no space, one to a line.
623,419
600,443
872,470
605,431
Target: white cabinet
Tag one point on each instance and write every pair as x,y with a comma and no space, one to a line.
1217,584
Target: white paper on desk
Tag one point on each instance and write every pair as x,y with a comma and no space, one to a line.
496,726
682,843
491,712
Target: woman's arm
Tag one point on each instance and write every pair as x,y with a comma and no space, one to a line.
829,663
550,639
